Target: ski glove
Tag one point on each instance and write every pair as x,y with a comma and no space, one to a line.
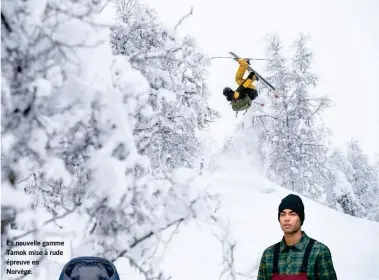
251,75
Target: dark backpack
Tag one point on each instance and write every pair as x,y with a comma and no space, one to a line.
241,104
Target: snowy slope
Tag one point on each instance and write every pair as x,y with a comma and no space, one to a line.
250,203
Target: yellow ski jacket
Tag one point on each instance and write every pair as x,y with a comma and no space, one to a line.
240,80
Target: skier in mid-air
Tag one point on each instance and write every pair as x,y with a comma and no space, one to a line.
242,97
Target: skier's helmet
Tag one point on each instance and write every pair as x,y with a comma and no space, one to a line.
227,91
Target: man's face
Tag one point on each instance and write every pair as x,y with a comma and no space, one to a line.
289,221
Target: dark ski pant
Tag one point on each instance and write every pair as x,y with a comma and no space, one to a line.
252,93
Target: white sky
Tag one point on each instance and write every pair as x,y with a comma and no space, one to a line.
344,37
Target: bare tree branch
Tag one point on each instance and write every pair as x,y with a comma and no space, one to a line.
146,236
45,223
183,18
5,22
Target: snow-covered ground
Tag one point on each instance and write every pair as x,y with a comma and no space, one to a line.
249,202
248,206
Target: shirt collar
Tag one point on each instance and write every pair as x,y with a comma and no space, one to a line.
298,246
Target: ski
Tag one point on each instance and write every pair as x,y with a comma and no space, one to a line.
266,83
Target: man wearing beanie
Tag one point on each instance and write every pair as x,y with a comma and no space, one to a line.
296,256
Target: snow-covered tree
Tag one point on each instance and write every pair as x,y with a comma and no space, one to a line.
264,119
339,191
345,196
352,182
69,154
291,128
176,71
364,179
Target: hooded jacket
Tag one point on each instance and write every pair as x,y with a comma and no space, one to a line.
89,268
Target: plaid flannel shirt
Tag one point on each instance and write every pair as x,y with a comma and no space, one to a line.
320,265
